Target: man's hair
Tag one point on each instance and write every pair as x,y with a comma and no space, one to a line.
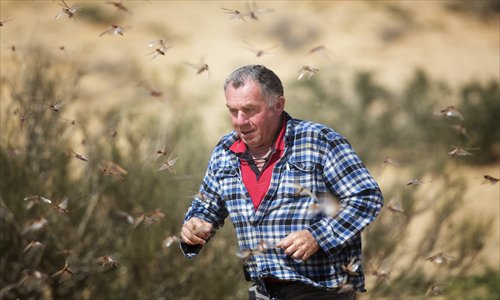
269,82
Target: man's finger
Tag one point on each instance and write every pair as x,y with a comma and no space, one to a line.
297,254
201,229
284,243
188,237
196,231
306,256
291,249
298,245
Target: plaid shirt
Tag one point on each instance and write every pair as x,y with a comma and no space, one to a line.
317,158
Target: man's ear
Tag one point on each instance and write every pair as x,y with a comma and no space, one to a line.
280,104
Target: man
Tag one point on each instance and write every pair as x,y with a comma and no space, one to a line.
270,175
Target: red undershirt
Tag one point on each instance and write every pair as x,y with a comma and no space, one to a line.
257,183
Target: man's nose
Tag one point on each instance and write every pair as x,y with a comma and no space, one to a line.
241,119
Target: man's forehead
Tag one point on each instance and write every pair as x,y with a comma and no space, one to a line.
248,95
243,103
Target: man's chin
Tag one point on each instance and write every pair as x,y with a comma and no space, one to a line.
248,142
246,138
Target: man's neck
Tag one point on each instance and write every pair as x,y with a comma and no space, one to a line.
261,151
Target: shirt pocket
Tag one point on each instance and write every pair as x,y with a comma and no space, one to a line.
300,178
300,183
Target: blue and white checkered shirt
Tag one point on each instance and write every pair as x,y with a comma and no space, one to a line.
318,159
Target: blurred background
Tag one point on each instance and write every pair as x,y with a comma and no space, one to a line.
105,138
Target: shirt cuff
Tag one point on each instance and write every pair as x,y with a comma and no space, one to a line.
190,251
324,237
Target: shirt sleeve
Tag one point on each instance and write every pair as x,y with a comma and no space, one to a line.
360,197
208,206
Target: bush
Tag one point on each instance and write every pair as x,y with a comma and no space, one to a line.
44,154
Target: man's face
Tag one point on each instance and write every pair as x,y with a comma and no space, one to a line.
255,122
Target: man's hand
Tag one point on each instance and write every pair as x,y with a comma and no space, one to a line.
299,245
196,231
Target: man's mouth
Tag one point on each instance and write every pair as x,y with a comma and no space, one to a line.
246,132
